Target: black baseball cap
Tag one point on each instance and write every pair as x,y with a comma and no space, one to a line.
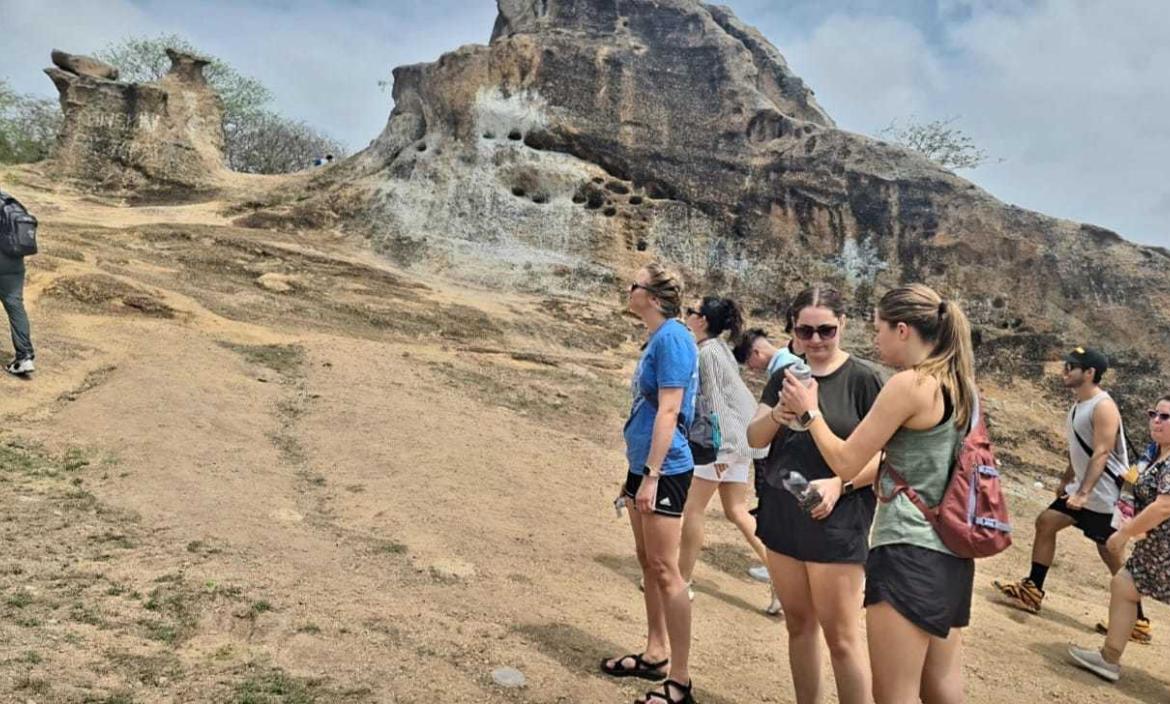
1086,358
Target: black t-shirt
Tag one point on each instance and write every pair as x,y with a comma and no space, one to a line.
845,396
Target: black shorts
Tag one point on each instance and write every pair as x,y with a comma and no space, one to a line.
931,589
672,492
1096,526
783,527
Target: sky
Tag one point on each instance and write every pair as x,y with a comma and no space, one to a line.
1071,98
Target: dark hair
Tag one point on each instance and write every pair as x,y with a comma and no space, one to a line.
943,324
666,288
816,296
723,315
747,340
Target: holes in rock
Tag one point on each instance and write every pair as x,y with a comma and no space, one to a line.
489,135
635,200
540,198
539,140
515,135
518,191
578,198
810,145
422,147
609,212
998,302
617,187
598,179
642,245
594,200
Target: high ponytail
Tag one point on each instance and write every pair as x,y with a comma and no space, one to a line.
723,315
944,325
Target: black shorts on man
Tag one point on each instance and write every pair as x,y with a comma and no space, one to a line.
1096,526
672,492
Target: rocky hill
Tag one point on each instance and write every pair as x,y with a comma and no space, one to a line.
589,135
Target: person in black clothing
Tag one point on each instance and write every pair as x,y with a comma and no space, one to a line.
817,559
12,298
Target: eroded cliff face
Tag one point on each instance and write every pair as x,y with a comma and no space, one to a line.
130,137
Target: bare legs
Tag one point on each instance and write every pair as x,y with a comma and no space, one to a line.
823,599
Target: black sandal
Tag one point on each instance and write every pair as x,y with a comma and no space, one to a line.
664,695
642,668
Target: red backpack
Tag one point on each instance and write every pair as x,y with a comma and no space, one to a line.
972,518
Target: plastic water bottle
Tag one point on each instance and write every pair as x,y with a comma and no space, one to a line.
803,372
806,495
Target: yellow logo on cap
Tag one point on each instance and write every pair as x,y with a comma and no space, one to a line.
1079,350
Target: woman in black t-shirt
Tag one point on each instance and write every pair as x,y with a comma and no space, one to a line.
817,559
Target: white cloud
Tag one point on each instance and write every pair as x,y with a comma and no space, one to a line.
1073,95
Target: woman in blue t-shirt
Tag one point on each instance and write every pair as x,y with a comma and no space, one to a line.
659,477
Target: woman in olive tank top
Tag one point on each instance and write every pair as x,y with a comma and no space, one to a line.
918,593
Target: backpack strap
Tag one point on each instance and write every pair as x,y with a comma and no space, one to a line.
902,487
1088,449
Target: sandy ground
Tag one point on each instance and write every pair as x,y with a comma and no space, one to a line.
261,466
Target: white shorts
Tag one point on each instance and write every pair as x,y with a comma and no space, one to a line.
737,471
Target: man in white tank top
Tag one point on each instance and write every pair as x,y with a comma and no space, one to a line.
1090,486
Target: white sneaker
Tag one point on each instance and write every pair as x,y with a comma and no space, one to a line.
1092,661
774,609
759,573
20,367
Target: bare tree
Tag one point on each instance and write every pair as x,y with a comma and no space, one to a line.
938,140
270,144
259,140
28,126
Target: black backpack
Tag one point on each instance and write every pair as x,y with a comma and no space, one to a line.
18,229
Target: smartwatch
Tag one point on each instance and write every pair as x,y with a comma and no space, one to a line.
650,471
808,417
847,488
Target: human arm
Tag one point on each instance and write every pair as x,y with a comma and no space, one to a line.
771,418
665,421
895,404
1150,518
1106,425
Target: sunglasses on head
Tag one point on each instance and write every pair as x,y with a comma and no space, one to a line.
805,332
1158,415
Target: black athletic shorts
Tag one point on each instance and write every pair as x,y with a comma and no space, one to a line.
1096,526
931,589
672,492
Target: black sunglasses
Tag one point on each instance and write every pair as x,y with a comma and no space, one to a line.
635,286
1159,415
692,311
805,332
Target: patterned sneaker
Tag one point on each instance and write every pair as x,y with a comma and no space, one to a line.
1092,661
759,573
1143,631
20,367
1023,595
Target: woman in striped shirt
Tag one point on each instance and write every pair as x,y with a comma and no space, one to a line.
723,391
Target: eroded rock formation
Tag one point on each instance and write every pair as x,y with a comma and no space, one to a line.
592,134
165,135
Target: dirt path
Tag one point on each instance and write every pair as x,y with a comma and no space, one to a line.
354,490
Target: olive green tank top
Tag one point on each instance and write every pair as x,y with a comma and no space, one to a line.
924,459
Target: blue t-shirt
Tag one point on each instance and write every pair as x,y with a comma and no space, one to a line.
670,361
781,359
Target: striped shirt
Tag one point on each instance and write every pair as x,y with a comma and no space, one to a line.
721,384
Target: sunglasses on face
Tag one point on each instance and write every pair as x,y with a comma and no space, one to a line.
805,332
1158,415
635,286
692,311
